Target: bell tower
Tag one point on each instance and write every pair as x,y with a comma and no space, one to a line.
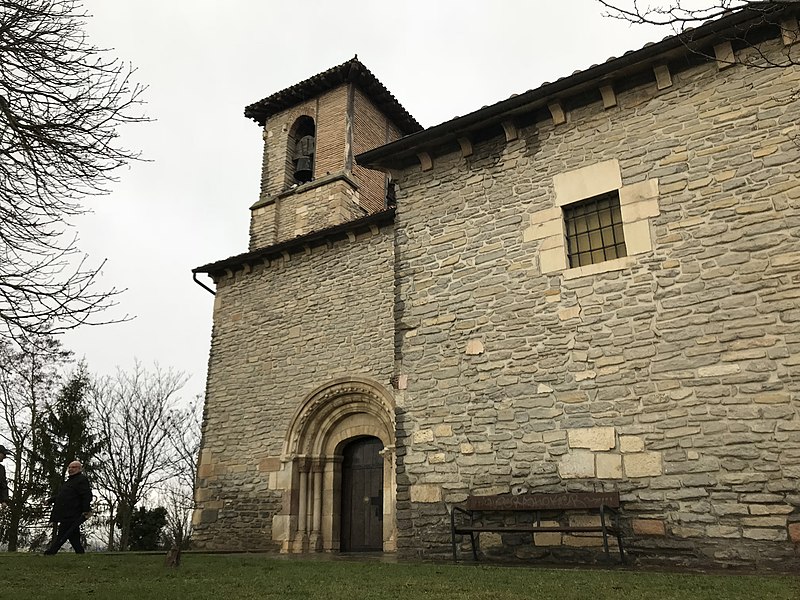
311,132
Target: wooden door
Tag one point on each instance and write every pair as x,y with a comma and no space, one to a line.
362,496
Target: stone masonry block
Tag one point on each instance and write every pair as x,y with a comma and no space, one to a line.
197,517
576,465
593,438
649,527
474,347
572,312
553,260
549,437
630,443
773,535
205,456
765,521
426,493
422,436
718,370
609,466
443,430
638,239
491,540
586,182
208,515
639,200
643,464
723,531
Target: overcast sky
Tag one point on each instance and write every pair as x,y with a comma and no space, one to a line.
204,60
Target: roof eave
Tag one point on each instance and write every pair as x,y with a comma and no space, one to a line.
394,154
256,256
351,72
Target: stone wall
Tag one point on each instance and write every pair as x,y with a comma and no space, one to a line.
281,330
672,375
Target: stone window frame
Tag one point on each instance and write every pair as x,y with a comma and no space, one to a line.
638,204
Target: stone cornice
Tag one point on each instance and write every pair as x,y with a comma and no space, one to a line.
306,187
303,243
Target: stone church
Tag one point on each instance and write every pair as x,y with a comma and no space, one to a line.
592,285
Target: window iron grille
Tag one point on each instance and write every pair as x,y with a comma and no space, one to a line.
594,230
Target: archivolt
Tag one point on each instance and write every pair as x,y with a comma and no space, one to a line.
319,419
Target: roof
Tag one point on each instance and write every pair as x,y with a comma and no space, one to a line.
444,137
298,243
353,71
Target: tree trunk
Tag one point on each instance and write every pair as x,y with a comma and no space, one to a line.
125,527
13,529
111,527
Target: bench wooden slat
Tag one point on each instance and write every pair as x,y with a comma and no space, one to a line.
537,501
530,529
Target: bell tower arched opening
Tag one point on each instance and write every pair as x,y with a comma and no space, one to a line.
300,151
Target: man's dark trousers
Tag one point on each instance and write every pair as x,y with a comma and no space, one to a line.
68,530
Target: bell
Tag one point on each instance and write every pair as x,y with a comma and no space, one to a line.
302,171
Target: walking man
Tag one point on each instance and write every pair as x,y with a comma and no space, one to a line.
3,481
71,507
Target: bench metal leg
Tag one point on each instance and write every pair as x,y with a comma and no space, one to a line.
474,540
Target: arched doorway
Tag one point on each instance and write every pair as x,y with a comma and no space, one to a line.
362,496
349,422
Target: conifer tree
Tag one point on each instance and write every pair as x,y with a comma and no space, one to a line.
67,431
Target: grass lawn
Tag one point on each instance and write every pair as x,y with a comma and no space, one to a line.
243,576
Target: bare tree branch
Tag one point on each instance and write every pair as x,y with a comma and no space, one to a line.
62,101
136,412
682,16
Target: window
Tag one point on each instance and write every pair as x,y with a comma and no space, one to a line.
594,230
606,223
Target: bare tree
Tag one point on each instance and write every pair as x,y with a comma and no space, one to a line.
62,101
178,492
135,412
682,16
29,375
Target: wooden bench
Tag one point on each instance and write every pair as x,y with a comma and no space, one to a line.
470,518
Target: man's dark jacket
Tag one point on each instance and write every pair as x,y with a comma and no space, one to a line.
73,499
3,484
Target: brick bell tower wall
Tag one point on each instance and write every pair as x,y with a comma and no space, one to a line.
347,122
